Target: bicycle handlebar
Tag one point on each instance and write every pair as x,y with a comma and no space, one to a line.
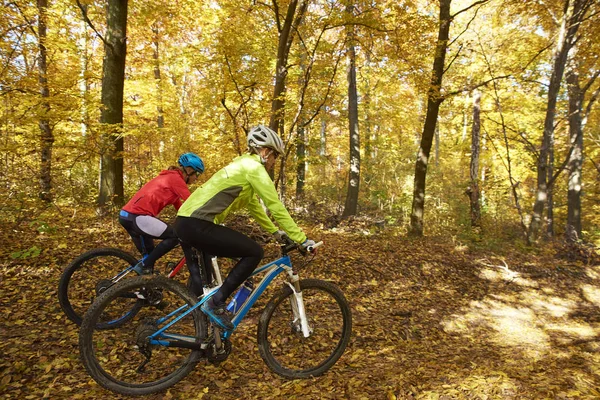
290,245
313,248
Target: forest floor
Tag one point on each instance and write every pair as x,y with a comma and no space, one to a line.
433,319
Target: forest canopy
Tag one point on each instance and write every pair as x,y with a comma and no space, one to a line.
462,116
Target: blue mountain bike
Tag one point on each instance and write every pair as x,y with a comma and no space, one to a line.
302,331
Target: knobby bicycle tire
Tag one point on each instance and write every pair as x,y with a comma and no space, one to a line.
110,356
330,318
100,258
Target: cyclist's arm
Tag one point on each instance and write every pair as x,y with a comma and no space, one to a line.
181,192
263,185
258,213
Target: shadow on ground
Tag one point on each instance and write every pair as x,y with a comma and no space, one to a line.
431,321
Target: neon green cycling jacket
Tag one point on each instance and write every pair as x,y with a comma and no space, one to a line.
236,186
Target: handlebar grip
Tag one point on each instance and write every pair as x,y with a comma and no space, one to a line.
312,248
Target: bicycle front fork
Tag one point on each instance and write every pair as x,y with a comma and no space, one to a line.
297,303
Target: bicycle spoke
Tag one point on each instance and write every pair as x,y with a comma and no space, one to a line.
88,276
122,358
288,352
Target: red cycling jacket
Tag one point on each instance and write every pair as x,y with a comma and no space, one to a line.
167,188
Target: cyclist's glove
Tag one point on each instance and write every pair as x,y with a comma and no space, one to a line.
307,244
281,236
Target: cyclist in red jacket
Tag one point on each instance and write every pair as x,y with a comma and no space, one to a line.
138,216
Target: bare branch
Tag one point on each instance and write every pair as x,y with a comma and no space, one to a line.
91,25
4,92
276,12
475,86
29,23
513,182
589,84
12,28
592,100
242,106
468,8
363,24
453,59
550,44
530,146
306,81
466,27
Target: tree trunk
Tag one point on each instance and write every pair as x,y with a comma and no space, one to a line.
474,170
368,136
323,136
572,17
436,145
113,78
84,85
575,165
301,134
434,99
301,159
160,119
550,213
286,37
47,137
354,173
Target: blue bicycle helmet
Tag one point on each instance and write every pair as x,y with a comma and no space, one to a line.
191,160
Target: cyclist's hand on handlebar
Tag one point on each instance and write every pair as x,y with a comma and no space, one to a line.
281,236
309,245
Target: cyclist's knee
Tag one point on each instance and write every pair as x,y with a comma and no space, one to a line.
257,252
171,242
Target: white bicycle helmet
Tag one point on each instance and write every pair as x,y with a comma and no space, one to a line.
262,136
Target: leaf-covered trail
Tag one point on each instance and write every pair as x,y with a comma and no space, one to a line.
431,320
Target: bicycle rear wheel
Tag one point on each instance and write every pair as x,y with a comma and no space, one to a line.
122,359
88,275
281,343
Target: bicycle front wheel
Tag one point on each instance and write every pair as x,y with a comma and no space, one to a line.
281,342
89,275
123,359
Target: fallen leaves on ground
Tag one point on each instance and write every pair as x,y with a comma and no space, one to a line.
431,321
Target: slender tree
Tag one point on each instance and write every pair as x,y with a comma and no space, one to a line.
434,99
47,137
577,120
113,78
474,170
573,14
354,173
287,32
160,119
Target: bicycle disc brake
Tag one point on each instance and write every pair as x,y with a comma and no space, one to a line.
142,341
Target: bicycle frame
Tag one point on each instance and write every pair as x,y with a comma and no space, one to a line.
271,270
180,264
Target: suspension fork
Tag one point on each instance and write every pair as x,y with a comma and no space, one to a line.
297,303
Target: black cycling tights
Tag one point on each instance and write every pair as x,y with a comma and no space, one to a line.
143,239
221,241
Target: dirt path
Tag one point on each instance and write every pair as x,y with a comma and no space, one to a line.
432,320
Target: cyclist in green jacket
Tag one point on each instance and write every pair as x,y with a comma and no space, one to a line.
234,187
